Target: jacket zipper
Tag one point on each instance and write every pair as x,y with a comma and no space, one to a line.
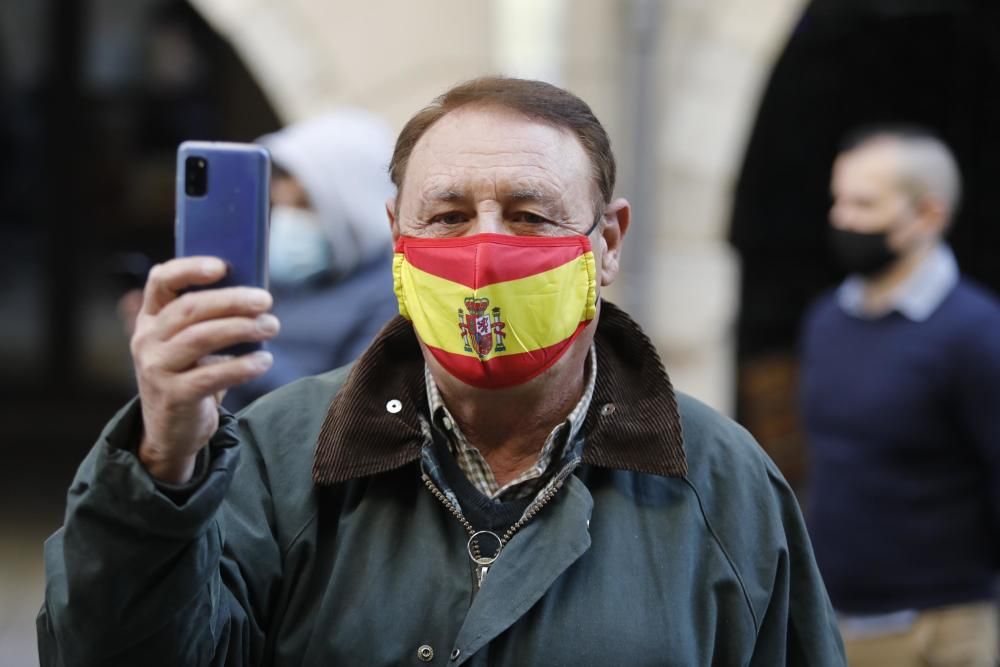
481,567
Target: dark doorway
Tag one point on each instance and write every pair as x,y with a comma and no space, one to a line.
96,94
849,63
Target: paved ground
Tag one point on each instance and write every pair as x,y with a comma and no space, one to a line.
46,427
21,590
41,445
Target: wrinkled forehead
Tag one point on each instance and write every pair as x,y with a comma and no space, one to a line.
497,144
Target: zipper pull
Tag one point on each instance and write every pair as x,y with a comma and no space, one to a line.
482,562
481,571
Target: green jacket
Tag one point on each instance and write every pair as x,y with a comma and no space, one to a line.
309,538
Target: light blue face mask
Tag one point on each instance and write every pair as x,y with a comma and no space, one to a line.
298,250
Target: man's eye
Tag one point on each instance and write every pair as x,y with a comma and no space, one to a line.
450,218
532,218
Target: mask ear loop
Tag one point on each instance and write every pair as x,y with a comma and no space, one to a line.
591,311
597,221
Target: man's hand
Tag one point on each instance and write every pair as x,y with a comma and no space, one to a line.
174,336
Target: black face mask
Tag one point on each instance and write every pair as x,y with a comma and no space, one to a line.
864,254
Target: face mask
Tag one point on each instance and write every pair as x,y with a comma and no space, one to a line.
496,310
298,249
863,254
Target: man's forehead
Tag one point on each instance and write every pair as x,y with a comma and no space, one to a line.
518,188
495,135
872,165
490,114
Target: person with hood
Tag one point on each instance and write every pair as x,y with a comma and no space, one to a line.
330,251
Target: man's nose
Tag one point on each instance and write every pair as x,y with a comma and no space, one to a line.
489,220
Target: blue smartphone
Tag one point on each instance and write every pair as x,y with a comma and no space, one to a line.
223,204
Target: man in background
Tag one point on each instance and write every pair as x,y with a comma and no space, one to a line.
900,379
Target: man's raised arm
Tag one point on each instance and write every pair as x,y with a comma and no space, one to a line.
139,574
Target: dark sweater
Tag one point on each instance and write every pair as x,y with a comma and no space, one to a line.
482,512
903,420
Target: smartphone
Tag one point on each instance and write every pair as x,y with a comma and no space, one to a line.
223,204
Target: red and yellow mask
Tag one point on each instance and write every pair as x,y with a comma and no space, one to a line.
496,310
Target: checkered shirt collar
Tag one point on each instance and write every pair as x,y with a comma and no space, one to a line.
377,419
474,465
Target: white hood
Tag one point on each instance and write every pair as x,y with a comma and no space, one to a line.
341,160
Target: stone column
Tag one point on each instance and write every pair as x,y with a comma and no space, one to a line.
716,57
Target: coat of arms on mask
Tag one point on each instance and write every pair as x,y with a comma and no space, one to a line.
481,334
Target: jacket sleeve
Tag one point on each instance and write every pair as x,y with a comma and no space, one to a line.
799,626
142,574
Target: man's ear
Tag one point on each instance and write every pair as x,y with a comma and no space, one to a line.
617,216
933,216
390,212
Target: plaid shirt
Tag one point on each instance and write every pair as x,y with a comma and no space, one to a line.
475,467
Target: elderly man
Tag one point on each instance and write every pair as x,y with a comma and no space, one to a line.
901,373
505,477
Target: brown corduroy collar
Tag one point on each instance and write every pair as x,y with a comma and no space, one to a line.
373,424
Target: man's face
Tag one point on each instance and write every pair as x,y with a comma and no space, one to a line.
867,197
287,191
491,170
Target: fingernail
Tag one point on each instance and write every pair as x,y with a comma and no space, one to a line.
210,267
259,299
267,323
262,359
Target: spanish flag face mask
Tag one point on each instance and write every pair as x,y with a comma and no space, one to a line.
496,310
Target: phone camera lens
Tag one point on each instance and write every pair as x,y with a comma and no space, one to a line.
195,176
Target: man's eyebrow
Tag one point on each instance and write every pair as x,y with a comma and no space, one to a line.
444,195
533,195
430,199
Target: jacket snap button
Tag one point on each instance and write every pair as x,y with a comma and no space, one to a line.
425,653
607,409
394,406
455,653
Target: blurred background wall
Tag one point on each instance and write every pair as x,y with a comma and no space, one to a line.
724,115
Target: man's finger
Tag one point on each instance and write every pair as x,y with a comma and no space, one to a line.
166,280
211,379
198,306
214,359
191,345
